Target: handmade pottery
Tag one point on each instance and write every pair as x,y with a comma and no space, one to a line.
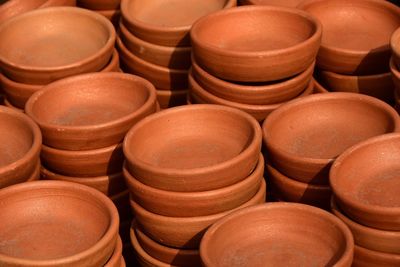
35,174
268,43
356,34
20,141
368,258
364,180
286,3
99,4
12,8
395,47
278,234
116,257
167,22
395,75
50,3
318,88
304,136
82,113
193,148
184,232
72,225
169,99
30,53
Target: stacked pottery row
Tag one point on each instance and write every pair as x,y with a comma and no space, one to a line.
107,8
187,167
32,55
359,62
242,69
303,137
365,183
395,66
54,223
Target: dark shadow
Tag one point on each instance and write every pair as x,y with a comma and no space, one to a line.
376,61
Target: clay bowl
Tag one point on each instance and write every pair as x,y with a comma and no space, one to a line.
395,74
370,195
168,99
318,87
82,113
290,190
250,93
30,53
51,3
376,85
370,238
35,174
218,146
12,8
72,225
368,258
286,3
278,234
195,203
269,43
167,22
162,77
99,4
184,232
304,136
395,47
116,257
166,56
199,95
20,141
356,34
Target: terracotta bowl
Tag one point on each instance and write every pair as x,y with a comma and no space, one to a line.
51,3
199,95
370,238
218,146
195,203
74,41
395,74
72,225
116,257
395,47
166,56
109,184
304,136
378,85
169,99
165,255
82,113
286,3
368,258
20,141
162,77
269,43
278,234
356,34
318,87
250,93
12,8
290,190
184,232
35,174
167,22
99,4
370,195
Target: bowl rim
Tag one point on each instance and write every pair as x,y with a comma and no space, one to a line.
315,36
395,43
346,77
108,46
393,68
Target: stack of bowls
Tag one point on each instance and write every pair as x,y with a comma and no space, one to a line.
268,58
355,51
20,142
155,42
53,223
187,167
45,45
395,66
107,8
366,187
83,120
303,137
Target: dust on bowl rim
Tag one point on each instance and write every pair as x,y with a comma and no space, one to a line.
203,23
79,12
71,188
256,135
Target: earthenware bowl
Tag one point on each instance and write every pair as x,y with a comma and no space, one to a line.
52,43
268,43
218,146
20,142
13,8
286,3
82,113
199,95
368,258
116,257
318,87
395,47
395,74
356,34
99,4
249,93
72,225
169,99
304,136
166,56
195,203
364,180
277,234
184,232
167,23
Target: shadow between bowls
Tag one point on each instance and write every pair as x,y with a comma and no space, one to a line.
169,99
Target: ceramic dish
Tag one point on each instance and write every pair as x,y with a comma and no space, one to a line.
368,258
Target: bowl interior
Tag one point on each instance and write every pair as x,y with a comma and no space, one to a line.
90,101
191,138
355,25
323,127
52,39
45,224
255,30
